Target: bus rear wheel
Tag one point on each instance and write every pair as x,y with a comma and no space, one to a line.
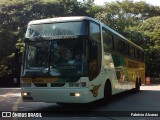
61,104
137,86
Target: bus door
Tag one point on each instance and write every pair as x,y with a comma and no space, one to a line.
109,68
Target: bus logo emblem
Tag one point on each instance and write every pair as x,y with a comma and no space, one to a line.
95,90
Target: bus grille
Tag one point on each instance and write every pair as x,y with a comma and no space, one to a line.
40,84
57,84
52,84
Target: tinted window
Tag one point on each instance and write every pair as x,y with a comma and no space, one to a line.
142,56
137,53
53,29
94,59
107,40
125,48
118,46
95,31
55,58
132,50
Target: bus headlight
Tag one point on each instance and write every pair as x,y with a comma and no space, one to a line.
25,94
75,94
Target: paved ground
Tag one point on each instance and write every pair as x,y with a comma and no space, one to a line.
147,100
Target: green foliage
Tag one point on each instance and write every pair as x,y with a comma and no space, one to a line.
15,15
121,15
147,35
138,22
134,20
150,29
7,65
90,8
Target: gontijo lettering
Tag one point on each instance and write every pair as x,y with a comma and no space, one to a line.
132,64
37,80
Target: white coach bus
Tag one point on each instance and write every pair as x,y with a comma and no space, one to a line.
78,60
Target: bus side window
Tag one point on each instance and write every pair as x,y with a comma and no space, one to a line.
128,48
118,45
125,48
142,56
94,50
94,31
93,56
107,40
132,51
137,54
94,63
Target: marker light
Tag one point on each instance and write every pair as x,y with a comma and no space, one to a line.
83,84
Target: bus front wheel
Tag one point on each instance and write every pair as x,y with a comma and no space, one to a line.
107,91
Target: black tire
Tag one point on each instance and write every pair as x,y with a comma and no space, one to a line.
61,104
137,86
140,83
107,92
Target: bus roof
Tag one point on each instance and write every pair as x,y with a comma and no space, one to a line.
62,19
79,18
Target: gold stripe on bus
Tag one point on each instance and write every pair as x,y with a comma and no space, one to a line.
39,80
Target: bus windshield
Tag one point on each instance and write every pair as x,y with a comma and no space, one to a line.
54,58
56,29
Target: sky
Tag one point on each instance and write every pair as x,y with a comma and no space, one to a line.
153,2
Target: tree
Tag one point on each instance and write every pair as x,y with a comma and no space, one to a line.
121,15
90,8
15,15
136,21
126,17
150,29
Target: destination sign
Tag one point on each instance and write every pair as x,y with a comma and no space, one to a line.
41,38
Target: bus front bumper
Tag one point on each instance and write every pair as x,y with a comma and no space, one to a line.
57,95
